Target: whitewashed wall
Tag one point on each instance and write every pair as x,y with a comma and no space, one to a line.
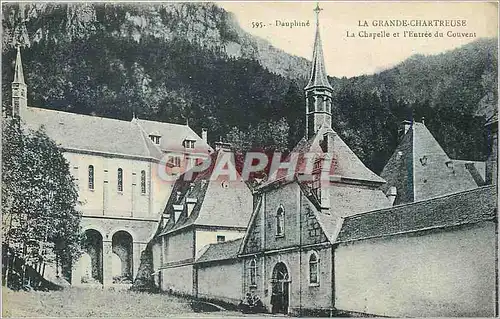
441,273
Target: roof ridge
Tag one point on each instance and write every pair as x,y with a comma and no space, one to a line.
34,108
420,201
227,241
160,122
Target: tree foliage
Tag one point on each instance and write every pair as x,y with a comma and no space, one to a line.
39,197
173,63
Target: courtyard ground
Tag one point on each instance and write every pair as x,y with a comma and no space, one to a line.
80,302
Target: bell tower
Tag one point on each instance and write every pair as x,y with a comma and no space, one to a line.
19,88
318,90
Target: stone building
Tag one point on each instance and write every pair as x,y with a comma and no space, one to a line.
420,169
203,209
116,166
421,244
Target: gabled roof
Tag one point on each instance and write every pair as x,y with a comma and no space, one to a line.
221,251
467,207
420,168
346,166
173,135
93,133
90,133
220,202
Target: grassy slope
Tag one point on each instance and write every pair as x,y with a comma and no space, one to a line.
76,302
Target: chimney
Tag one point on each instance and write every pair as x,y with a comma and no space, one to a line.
405,126
391,194
177,212
204,134
450,166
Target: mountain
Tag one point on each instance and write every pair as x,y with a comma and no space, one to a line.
191,61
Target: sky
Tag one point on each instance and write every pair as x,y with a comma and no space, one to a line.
352,56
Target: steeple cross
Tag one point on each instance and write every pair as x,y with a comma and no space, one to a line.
317,10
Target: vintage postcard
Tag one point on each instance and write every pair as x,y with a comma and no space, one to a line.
262,159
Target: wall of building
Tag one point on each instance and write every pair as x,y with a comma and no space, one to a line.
221,280
206,236
436,273
105,199
288,198
492,161
179,247
157,254
304,298
140,230
349,200
178,279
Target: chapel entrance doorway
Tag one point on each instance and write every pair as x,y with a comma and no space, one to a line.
280,289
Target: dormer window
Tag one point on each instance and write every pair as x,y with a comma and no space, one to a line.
188,143
155,137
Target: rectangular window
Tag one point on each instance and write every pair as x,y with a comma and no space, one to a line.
91,177
189,143
143,182
221,239
253,273
174,161
120,180
313,269
313,275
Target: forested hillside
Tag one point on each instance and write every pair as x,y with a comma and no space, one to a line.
190,61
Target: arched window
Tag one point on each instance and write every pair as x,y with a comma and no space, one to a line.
280,221
91,177
120,180
253,273
143,182
314,269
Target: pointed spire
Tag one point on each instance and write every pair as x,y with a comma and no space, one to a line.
18,71
318,77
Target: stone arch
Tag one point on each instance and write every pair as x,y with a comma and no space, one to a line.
122,247
280,292
114,230
96,228
92,258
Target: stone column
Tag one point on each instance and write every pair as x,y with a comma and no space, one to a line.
137,248
105,194
107,267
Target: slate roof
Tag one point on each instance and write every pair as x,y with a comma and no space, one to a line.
173,135
467,207
220,202
420,169
92,133
221,251
345,164
18,69
318,77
